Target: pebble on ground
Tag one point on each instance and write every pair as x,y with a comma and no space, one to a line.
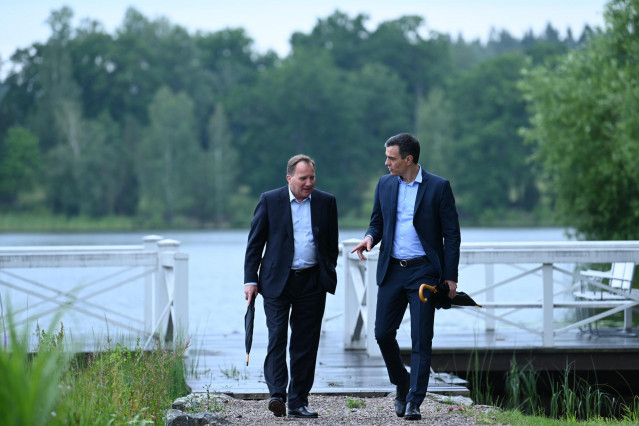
349,410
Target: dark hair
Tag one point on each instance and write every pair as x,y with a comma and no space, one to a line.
290,166
407,143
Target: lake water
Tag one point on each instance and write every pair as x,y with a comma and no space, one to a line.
216,258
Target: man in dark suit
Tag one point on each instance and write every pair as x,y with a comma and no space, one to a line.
298,225
415,217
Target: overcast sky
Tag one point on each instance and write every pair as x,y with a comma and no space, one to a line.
271,22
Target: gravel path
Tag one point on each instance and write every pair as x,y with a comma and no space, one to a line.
334,410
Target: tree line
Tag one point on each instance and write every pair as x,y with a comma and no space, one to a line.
178,128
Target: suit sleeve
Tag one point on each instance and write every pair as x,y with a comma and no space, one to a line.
451,233
376,227
257,237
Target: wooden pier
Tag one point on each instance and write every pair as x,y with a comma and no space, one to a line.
219,365
216,362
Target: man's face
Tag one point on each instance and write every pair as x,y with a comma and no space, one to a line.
397,166
302,182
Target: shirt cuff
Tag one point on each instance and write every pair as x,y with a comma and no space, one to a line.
250,283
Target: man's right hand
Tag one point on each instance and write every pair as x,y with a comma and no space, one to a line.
250,291
365,244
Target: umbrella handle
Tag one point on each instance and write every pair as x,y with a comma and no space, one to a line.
247,359
421,291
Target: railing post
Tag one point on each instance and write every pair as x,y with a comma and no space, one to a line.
489,274
165,290
351,304
181,297
360,303
149,243
370,280
547,306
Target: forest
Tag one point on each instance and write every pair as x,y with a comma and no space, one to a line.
187,129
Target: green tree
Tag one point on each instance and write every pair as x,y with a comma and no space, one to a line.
20,164
218,174
167,155
434,131
585,129
489,165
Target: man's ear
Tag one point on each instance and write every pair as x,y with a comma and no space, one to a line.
409,159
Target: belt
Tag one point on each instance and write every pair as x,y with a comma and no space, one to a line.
405,263
300,272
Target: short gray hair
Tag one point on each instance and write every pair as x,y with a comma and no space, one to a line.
292,162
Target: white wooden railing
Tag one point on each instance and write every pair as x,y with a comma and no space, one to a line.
157,265
540,263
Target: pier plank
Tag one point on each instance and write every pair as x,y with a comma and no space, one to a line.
218,362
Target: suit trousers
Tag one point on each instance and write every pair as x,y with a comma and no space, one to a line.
399,289
303,301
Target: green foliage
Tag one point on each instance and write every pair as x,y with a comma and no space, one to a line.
489,109
45,385
20,163
521,388
166,156
179,129
30,382
583,124
120,385
353,403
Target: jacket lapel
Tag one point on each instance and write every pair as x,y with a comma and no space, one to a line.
315,214
421,189
286,212
394,191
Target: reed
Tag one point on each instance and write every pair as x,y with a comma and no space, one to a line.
115,385
30,381
572,399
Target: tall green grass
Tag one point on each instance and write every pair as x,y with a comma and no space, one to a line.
114,385
29,382
572,399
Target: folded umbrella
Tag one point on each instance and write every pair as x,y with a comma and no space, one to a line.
249,319
442,289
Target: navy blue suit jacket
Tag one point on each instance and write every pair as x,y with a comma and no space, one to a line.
272,226
435,220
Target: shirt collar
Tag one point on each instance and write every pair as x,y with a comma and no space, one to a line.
418,178
291,197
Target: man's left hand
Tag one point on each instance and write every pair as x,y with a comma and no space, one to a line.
452,286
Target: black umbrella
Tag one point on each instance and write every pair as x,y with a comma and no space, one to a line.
249,319
441,291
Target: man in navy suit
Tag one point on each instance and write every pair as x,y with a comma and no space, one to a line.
415,217
298,225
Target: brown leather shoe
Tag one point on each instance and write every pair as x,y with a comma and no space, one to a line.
277,407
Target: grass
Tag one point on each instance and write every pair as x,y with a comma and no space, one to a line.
355,403
573,400
116,385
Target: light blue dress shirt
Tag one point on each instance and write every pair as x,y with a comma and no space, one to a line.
406,244
305,254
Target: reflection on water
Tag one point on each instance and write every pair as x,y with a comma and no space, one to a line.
216,298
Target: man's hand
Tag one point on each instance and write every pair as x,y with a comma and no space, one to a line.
250,291
365,244
452,286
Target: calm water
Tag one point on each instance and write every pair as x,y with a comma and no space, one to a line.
216,298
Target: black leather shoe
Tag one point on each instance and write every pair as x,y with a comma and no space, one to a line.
412,412
302,412
400,399
277,407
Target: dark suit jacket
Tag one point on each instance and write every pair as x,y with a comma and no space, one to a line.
435,221
272,226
